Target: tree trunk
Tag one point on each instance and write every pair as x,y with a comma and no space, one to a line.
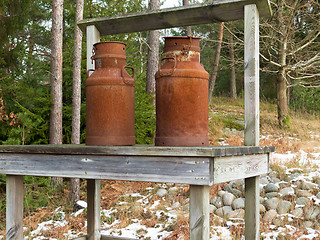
213,77
282,100
233,86
56,78
76,101
153,53
187,29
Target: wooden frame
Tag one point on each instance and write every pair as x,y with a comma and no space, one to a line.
200,166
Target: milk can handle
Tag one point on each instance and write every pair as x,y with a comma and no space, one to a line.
89,71
174,66
128,81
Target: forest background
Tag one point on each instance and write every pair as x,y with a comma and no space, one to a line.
289,63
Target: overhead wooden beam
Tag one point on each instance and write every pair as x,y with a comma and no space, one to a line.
216,11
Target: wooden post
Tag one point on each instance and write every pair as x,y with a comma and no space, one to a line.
93,36
199,212
251,95
93,210
93,186
14,210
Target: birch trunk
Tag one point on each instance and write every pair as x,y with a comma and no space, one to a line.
56,78
213,77
233,86
76,101
282,100
187,29
153,53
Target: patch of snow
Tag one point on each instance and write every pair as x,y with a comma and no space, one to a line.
82,203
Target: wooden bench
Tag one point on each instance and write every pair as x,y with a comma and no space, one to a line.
200,167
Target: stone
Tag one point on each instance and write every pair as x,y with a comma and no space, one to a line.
307,224
238,213
228,188
261,199
276,221
318,195
286,191
273,174
173,190
262,209
227,199
302,201
284,207
294,175
237,192
304,193
161,192
238,203
216,201
237,183
270,215
272,203
264,180
307,186
212,208
283,184
176,205
186,208
220,193
297,212
223,211
271,187
271,194
311,213
275,180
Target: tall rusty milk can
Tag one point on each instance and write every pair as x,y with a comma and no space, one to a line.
181,95
110,97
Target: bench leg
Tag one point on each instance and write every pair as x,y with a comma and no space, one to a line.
252,206
93,210
14,210
199,212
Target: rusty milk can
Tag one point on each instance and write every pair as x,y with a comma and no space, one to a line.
110,97
181,95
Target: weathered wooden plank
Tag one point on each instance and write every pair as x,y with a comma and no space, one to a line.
154,169
199,212
138,150
251,74
14,207
215,11
93,36
93,210
252,208
238,167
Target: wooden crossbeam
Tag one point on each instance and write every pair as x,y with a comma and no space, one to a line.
215,11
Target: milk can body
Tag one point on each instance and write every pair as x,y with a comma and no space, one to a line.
181,95
110,97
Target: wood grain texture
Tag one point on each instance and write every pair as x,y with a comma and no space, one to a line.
129,168
215,11
238,167
93,210
14,207
251,75
138,150
252,208
199,212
